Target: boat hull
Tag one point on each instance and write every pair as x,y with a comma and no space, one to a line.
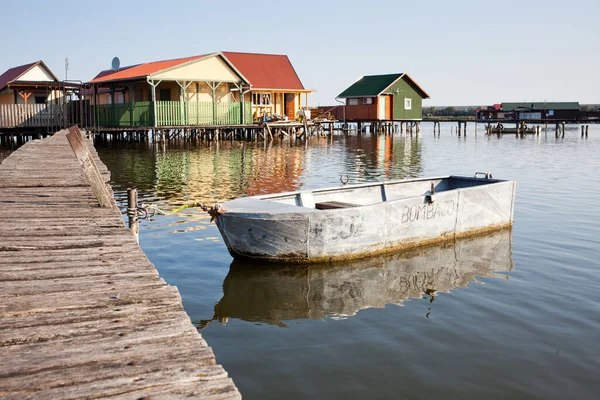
300,234
509,131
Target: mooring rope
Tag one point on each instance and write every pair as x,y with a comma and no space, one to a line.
145,210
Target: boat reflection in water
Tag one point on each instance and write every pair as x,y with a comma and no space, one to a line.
272,294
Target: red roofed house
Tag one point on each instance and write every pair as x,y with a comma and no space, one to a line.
19,84
275,86
200,90
31,96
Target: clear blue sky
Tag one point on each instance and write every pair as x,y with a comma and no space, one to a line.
461,52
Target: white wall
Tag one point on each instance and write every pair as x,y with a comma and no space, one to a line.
37,73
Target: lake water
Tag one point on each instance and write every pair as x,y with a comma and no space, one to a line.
510,315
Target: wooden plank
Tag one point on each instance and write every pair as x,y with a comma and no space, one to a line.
329,205
89,168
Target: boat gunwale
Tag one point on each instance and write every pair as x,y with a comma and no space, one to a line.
249,214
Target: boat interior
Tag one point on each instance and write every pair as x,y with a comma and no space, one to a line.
372,193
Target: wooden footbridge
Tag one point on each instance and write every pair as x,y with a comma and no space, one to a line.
83,312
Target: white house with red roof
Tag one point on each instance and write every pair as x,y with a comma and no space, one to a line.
31,83
224,88
32,97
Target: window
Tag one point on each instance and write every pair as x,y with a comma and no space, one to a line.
261,99
407,103
367,100
352,102
40,99
165,94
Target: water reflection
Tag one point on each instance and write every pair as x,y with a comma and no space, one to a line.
383,157
209,171
273,294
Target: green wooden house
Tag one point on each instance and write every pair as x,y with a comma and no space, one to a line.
384,98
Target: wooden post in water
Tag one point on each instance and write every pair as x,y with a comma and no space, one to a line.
586,130
582,130
132,200
563,129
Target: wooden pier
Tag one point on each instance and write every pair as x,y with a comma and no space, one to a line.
256,131
83,312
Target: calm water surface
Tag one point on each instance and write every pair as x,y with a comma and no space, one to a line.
511,315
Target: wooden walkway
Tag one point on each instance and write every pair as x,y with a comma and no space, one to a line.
83,312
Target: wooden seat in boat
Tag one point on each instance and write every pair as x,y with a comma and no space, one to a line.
329,205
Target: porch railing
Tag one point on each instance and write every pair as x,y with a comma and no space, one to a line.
129,114
31,115
172,113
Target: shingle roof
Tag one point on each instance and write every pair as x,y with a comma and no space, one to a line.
106,72
371,85
374,85
263,71
14,73
541,105
141,70
266,71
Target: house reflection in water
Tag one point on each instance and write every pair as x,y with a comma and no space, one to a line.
383,157
208,172
275,170
275,294
211,172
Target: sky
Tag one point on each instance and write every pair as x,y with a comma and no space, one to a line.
460,52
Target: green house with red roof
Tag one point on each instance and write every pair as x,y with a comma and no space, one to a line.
390,97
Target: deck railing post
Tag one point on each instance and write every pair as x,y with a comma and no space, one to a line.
132,201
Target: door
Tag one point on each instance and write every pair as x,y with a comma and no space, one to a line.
289,105
382,107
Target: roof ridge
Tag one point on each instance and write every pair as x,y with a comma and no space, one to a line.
260,54
16,72
393,73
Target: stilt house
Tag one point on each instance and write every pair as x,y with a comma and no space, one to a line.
384,98
31,96
210,89
199,90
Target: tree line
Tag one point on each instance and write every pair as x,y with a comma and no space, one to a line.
449,111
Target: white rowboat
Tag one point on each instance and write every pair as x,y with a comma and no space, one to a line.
354,221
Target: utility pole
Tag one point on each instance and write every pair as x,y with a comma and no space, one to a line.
66,68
